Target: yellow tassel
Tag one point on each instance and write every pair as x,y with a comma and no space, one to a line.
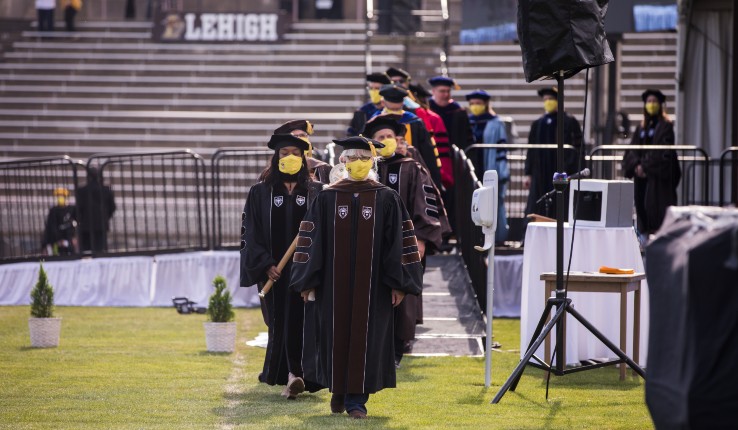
309,128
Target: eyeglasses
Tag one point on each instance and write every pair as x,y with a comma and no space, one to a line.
355,158
398,81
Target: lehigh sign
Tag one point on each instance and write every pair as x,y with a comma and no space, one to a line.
218,27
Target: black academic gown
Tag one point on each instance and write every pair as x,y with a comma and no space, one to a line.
60,225
540,164
657,191
412,183
356,245
271,219
321,170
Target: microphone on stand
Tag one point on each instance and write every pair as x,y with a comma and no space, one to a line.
579,175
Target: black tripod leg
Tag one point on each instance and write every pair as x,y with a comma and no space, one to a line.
518,372
536,332
607,342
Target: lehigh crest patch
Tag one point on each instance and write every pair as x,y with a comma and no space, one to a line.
343,211
366,212
300,200
278,200
393,178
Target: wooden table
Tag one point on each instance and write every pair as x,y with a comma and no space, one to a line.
601,283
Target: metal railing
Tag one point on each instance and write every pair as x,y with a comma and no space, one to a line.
26,197
728,183
234,172
160,199
467,233
516,196
694,187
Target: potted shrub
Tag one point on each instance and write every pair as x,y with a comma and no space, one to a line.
44,328
220,331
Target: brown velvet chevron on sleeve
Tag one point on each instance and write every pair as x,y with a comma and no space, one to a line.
307,226
301,257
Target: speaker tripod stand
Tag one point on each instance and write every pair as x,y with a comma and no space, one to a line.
561,302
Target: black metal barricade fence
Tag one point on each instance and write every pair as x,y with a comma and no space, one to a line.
467,233
694,187
728,177
26,198
160,201
234,171
516,195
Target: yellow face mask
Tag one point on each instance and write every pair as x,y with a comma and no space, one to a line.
550,106
61,201
359,170
477,110
653,108
290,164
390,145
394,112
374,96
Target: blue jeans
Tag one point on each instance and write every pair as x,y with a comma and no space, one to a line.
356,402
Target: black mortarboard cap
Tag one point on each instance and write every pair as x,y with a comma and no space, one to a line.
279,141
478,94
651,92
552,91
297,124
419,91
358,142
382,122
380,78
393,93
394,71
445,81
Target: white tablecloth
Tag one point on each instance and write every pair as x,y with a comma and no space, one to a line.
593,247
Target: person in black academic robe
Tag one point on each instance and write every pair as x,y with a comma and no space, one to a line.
458,131
95,205
416,189
655,173
304,129
61,223
540,164
374,82
357,256
273,211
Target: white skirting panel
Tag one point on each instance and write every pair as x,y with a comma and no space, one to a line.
129,281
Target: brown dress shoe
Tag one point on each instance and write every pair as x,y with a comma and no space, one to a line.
337,406
357,414
295,385
287,394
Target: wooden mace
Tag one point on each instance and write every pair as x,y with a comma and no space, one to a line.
283,262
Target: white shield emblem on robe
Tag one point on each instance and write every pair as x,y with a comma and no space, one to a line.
278,200
366,212
393,178
343,211
300,200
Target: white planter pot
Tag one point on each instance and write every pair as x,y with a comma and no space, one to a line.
44,332
220,337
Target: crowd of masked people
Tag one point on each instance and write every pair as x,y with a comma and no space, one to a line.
343,310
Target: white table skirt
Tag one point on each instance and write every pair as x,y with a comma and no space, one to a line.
128,281
593,247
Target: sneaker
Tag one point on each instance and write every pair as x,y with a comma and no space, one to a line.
337,406
357,414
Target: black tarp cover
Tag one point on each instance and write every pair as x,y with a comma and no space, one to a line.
692,272
558,35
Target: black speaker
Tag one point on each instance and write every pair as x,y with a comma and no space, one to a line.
562,35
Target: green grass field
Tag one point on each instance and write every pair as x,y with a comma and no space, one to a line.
129,368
